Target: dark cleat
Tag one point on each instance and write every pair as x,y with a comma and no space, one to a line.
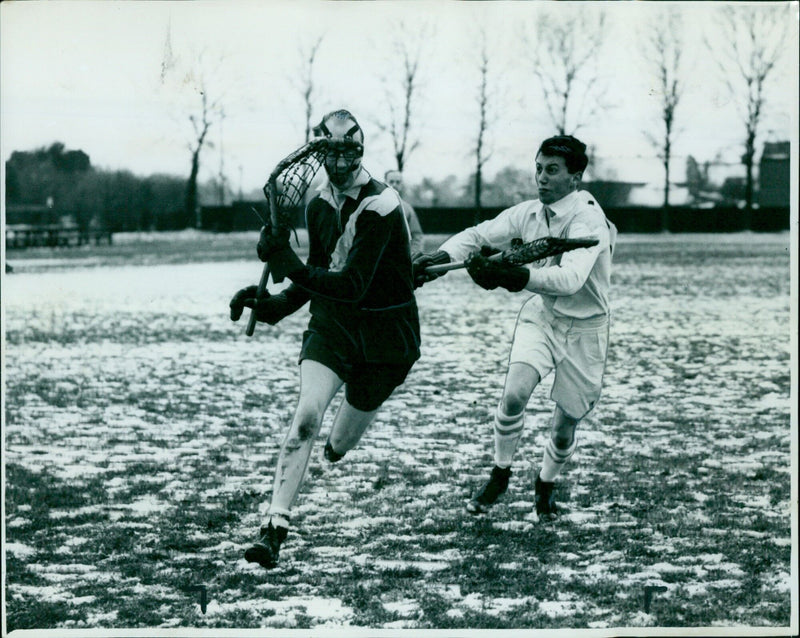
265,550
491,491
546,508
330,454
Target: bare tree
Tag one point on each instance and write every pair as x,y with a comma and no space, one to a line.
482,152
201,123
222,179
408,47
186,77
306,85
662,49
564,48
753,41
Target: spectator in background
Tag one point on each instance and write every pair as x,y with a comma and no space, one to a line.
394,178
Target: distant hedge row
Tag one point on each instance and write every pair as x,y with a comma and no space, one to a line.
677,219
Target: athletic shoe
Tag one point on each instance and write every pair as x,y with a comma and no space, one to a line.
330,454
545,501
265,550
491,491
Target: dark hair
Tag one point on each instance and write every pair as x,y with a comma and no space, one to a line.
570,148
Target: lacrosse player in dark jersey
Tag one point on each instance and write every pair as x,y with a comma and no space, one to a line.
563,328
363,333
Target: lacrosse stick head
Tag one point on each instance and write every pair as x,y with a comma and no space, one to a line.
543,248
289,181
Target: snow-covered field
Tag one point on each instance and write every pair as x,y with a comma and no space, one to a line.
142,425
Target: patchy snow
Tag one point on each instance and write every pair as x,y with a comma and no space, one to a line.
559,608
48,592
68,569
20,550
422,565
406,607
326,610
134,381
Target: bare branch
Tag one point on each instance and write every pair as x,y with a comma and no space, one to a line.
662,46
563,60
307,89
409,47
753,42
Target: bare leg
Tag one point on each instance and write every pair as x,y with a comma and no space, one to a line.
521,381
349,426
318,385
509,421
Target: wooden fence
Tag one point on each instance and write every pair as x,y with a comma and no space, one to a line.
53,235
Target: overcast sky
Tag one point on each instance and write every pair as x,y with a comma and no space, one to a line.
119,79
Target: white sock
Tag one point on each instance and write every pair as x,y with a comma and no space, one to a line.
554,459
278,518
507,433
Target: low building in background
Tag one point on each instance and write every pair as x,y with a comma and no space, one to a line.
774,177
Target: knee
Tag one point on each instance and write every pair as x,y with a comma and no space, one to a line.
563,434
514,400
306,424
512,404
520,382
562,440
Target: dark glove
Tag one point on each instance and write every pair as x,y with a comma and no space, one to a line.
270,243
421,261
269,308
491,274
275,249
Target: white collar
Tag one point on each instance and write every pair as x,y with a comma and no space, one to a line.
327,190
562,206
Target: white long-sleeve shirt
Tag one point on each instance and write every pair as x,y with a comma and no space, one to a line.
575,284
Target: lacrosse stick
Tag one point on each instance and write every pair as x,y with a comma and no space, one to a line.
293,175
525,253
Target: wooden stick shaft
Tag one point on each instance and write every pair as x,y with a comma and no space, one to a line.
455,265
262,286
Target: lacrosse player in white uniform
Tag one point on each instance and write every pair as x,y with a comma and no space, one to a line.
563,328
363,334
394,178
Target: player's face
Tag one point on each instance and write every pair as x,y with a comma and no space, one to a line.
342,160
395,180
553,178
342,163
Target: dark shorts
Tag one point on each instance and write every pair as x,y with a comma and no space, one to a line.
367,383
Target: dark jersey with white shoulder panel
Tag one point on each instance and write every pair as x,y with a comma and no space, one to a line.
358,274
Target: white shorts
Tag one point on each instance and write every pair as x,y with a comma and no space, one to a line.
575,348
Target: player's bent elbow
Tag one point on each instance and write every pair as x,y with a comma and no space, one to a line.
570,286
572,290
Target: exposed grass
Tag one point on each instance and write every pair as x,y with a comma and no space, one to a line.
140,445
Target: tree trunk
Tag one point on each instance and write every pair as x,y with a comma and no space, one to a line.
478,189
749,155
665,205
192,210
